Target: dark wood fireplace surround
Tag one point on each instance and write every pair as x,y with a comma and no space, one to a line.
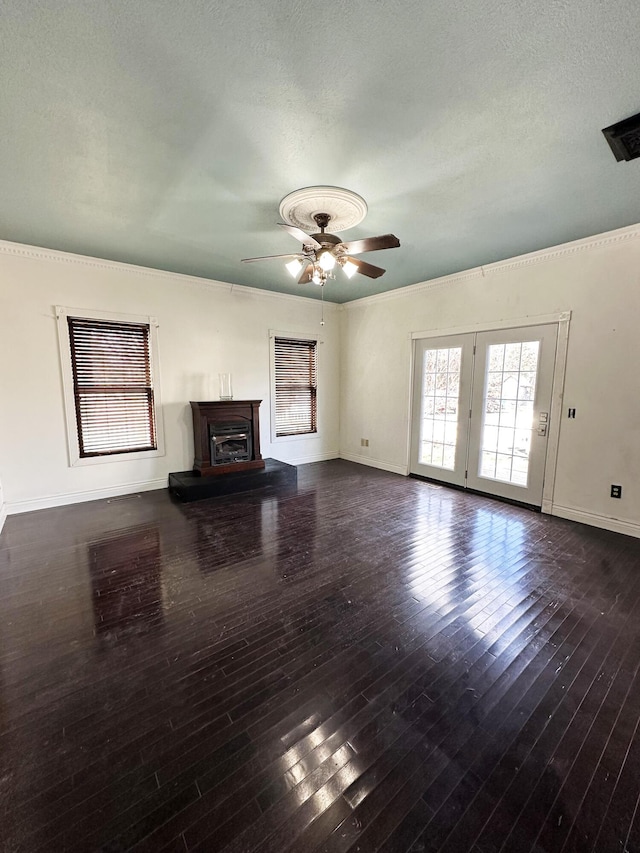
205,415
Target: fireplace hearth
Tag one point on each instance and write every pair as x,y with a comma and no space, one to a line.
226,436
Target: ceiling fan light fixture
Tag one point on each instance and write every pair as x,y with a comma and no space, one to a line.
294,267
349,269
326,260
319,252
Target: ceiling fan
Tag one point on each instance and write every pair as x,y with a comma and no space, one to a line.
322,251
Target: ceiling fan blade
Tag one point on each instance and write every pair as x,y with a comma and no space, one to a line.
367,269
307,272
270,258
371,244
300,236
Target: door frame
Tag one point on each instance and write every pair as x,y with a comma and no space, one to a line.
562,319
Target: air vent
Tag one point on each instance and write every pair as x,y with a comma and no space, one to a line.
624,138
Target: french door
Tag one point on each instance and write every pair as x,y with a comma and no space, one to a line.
481,409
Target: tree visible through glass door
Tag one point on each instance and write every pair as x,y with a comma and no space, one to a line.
440,407
482,409
510,389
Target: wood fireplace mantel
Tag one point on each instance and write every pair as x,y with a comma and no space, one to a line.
205,415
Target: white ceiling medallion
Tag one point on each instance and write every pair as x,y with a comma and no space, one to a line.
345,208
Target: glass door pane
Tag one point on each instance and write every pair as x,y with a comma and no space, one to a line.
511,407
507,412
440,407
441,397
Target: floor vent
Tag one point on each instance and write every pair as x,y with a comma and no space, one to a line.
124,498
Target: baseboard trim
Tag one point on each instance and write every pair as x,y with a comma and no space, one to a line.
3,516
15,507
315,457
615,525
375,463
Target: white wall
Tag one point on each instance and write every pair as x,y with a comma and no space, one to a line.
205,328
3,508
598,280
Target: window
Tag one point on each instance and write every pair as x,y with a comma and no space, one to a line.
296,382
108,371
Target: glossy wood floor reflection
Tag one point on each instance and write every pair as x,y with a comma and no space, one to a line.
368,663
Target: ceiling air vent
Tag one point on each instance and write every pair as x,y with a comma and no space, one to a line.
624,138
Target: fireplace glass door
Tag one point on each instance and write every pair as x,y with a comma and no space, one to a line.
230,442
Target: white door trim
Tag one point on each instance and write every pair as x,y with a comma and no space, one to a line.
557,396
563,319
516,323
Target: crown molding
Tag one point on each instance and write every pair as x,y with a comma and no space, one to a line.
37,253
597,241
411,289
607,238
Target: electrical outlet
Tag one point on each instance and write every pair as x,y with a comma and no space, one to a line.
616,491
364,442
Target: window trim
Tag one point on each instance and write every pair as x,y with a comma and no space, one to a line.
295,336
73,445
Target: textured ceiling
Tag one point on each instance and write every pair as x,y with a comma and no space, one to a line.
165,132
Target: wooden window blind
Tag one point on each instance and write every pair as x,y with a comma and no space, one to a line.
296,386
112,384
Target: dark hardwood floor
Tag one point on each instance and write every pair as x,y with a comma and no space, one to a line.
370,663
